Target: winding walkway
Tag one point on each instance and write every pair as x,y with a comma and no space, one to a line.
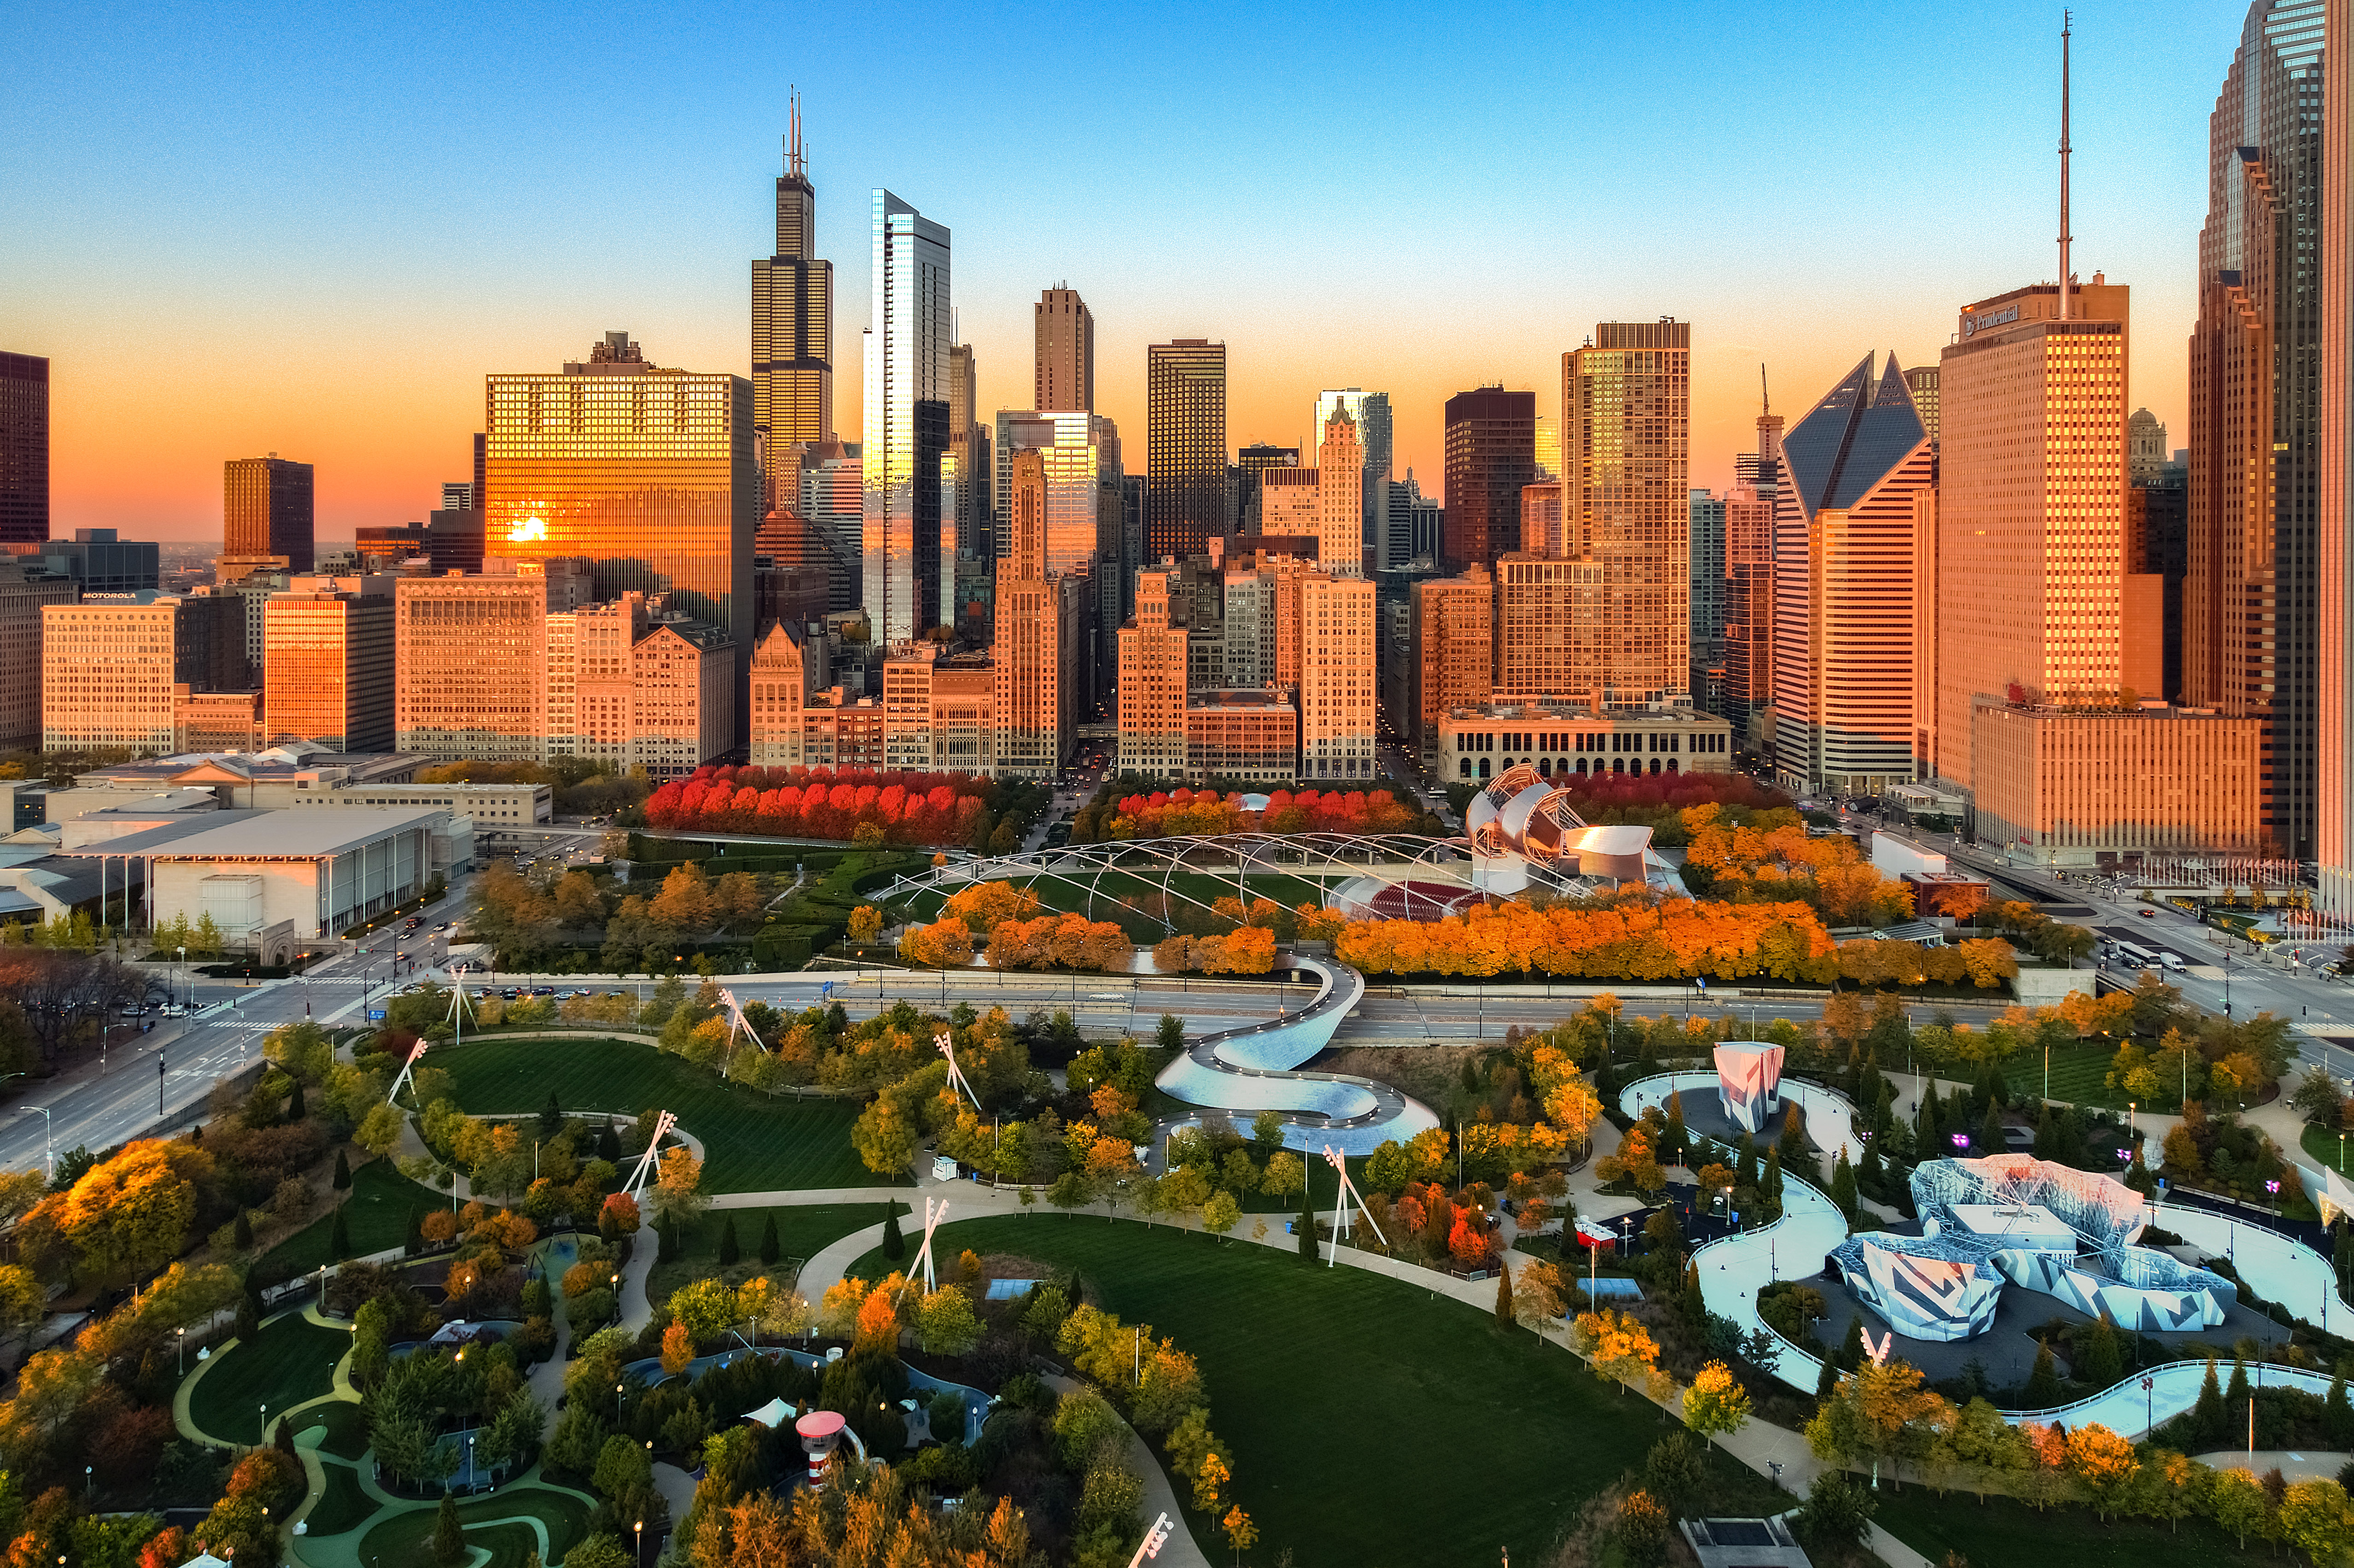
1252,1068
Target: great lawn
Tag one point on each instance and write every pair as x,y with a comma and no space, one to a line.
755,1143
1371,1421
375,1214
292,1360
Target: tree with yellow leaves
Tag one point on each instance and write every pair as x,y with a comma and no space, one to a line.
2103,1462
865,924
1240,1532
1620,1349
1715,1402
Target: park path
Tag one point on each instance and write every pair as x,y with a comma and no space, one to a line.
2312,1464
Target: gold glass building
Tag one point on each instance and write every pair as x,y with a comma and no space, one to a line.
646,472
328,664
1184,446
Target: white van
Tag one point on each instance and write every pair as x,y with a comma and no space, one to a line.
2172,960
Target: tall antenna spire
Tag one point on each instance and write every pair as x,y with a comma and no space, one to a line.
1766,395
795,163
2065,236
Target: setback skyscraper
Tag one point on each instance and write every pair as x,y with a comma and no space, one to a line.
1626,488
906,433
1065,364
266,516
24,449
1370,412
1184,447
793,333
2250,600
1491,445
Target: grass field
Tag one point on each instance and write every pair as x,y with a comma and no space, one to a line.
1070,895
2323,1146
2077,1072
346,1425
408,1537
343,1505
801,1230
2003,1531
1338,1387
292,1360
756,1144
376,1210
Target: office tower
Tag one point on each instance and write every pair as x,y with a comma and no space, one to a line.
457,495
1249,463
1370,412
1854,543
1066,363
1761,466
1412,527
249,595
1749,600
2334,727
975,478
1153,685
1455,650
25,588
382,547
906,433
1548,449
1626,510
1291,503
1340,496
1537,602
1490,456
2157,560
2146,451
479,497
1027,653
1337,693
1133,504
327,664
2251,638
469,660
1920,381
793,569
266,516
646,472
1184,446
793,333
1707,595
833,499
1540,520
24,449
1080,457
112,670
96,560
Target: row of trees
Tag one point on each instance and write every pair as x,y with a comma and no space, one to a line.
823,803
1185,812
527,919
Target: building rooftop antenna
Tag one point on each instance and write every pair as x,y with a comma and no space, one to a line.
796,161
2066,21
1762,392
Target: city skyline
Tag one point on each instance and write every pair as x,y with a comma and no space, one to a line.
508,269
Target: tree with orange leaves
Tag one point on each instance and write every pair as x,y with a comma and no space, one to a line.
1620,1349
677,1349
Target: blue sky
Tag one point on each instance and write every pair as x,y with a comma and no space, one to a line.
240,228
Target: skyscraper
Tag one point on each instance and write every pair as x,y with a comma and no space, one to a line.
1184,446
2334,789
1340,496
973,476
1338,692
1151,685
1922,382
1455,650
1081,454
1491,438
1854,531
24,449
266,512
328,668
1708,586
1026,657
1370,411
2249,598
1626,507
645,472
1250,462
792,333
906,433
1066,365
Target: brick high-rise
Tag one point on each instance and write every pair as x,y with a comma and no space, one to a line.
1065,369
1625,508
266,515
1026,659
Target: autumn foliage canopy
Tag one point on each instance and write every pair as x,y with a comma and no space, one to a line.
821,804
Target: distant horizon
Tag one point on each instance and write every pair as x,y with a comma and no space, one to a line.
305,249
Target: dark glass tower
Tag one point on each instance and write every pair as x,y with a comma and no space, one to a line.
24,449
792,333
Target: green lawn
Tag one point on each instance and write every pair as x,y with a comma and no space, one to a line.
292,1360
756,1144
346,1425
408,1537
376,1210
803,1229
1070,895
2004,1530
2324,1147
2077,1072
1335,1384
341,1506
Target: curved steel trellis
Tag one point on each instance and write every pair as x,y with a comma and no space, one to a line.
1239,856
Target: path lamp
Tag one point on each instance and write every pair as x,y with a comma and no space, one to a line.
617,1402
183,1352
641,1543
2148,1420
265,1421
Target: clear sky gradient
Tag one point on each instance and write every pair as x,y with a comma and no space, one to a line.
236,229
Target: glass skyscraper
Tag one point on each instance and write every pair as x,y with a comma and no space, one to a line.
645,472
1184,446
792,332
906,434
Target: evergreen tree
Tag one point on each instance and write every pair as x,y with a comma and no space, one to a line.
895,1245
551,1117
2044,1382
412,1239
1850,1350
1769,1186
2235,1395
2102,1361
449,1534
2342,1255
1503,1295
1306,1228
285,1441
296,1108
727,1240
1672,1139
609,1142
1695,1304
2207,1415
1883,1109
1745,1167
1990,1140
1843,1186
666,1242
249,1318
2337,1415
343,1179
339,1238
2047,1135
1826,1380
2071,1143
768,1247
244,1231
1868,1175
1928,1122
